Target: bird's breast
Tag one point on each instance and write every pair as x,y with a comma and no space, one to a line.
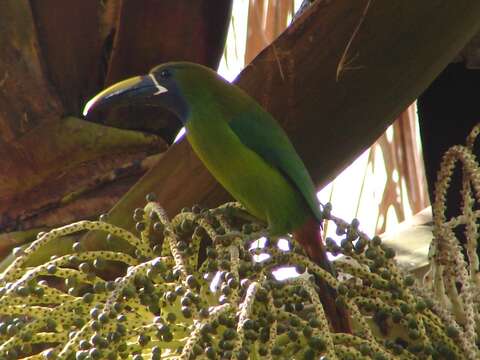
259,186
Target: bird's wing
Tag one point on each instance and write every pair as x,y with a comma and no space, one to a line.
262,134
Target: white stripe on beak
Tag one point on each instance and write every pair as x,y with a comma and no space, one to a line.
160,88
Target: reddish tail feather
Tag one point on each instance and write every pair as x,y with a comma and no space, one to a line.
310,238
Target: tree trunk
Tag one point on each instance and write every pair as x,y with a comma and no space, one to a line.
55,55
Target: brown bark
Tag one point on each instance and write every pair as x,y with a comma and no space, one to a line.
54,55
265,24
26,98
62,160
71,46
399,49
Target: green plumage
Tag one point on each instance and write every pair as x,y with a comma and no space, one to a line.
247,151
261,133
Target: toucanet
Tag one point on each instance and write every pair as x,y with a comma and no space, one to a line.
244,148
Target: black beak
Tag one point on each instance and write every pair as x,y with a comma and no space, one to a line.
138,89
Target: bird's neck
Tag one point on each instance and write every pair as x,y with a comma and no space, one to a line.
205,126
224,101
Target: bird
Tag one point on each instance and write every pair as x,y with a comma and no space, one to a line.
243,147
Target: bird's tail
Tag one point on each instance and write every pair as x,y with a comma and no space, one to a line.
310,238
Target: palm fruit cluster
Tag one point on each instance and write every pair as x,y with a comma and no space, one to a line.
208,284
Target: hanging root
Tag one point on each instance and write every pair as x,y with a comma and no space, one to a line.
453,280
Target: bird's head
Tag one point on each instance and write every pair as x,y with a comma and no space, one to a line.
170,85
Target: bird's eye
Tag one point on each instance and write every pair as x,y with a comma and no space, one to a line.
165,73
